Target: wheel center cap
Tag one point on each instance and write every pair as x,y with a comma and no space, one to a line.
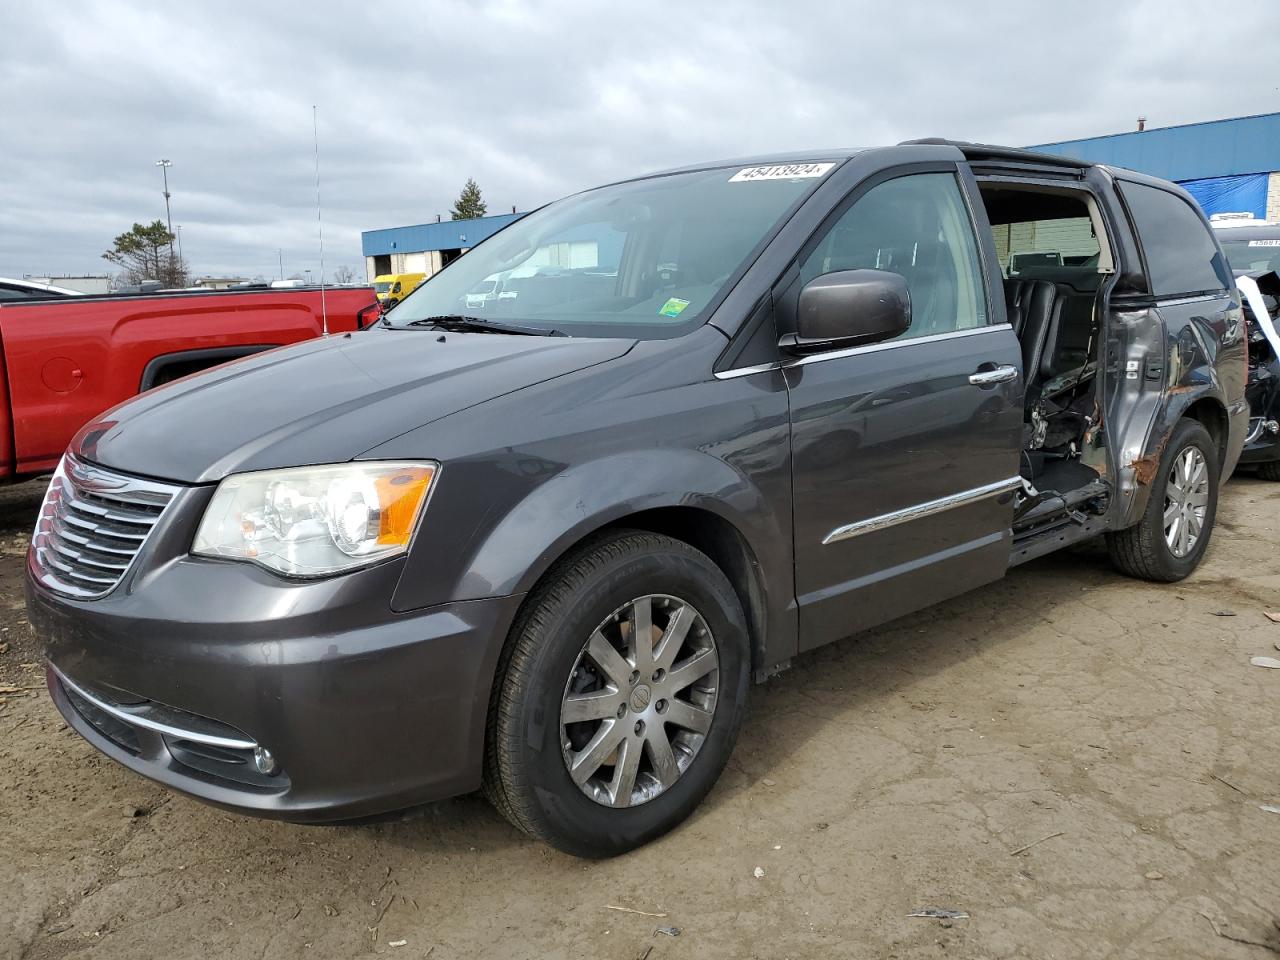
640,697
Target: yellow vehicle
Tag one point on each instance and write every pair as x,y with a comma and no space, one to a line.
394,287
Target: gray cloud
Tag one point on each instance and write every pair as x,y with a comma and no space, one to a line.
537,99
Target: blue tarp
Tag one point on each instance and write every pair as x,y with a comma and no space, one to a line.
1246,193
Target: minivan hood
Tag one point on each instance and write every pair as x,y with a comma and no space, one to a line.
323,401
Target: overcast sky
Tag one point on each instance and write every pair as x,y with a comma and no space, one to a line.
535,100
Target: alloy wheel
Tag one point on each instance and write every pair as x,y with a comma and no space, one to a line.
639,701
1186,501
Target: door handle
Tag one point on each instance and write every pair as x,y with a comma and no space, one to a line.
987,378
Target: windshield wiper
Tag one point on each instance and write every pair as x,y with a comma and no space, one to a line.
459,323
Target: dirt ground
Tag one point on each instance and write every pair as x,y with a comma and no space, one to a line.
1076,760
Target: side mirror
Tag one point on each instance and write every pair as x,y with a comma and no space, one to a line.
849,308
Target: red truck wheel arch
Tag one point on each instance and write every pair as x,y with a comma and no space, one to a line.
193,361
66,361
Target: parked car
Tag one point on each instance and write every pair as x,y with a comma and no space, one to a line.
68,360
1253,249
490,288
545,551
394,287
11,289
1251,246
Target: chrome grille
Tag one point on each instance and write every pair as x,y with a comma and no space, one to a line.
92,524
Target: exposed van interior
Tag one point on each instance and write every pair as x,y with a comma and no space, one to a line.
1055,259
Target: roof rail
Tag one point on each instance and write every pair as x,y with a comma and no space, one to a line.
986,151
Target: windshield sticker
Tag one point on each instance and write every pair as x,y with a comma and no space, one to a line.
673,307
783,171
1264,243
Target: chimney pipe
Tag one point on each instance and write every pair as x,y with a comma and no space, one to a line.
1142,124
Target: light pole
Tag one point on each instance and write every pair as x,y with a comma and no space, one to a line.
164,166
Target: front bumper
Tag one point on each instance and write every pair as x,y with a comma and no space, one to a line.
365,710
1262,443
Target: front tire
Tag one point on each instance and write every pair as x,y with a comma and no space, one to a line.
1169,541
619,696
1270,470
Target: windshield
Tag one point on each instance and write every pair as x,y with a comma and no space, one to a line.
383,287
1248,256
640,259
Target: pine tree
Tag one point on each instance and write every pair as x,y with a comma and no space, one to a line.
146,253
470,204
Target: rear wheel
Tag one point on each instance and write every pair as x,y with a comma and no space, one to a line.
621,694
1173,534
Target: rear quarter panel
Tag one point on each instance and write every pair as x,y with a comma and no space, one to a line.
1168,356
66,361
1203,360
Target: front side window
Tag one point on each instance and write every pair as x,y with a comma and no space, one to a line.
638,259
1181,255
919,227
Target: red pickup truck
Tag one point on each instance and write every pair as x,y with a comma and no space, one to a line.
65,361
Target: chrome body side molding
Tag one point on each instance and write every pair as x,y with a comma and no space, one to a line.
922,510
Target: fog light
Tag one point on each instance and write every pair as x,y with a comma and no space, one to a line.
264,762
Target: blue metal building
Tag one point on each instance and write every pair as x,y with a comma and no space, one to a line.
1229,166
426,247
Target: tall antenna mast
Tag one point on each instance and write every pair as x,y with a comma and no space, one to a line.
324,313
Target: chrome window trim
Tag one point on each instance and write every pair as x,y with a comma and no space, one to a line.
1178,301
856,351
922,510
747,371
136,718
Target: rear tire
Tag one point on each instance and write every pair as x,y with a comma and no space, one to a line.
1144,551
549,670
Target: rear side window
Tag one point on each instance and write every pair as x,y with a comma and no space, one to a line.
1181,254
1029,244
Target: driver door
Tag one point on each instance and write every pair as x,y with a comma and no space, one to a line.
905,452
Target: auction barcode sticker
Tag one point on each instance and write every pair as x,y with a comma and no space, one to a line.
1264,243
782,171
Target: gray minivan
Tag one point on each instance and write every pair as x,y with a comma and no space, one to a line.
543,545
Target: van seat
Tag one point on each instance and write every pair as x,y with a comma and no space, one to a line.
1035,311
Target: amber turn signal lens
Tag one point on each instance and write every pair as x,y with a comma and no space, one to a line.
400,498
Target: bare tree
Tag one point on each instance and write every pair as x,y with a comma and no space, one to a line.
343,274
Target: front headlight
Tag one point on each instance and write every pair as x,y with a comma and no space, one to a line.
316,521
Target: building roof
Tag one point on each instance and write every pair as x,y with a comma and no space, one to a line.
1193,151
446,235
